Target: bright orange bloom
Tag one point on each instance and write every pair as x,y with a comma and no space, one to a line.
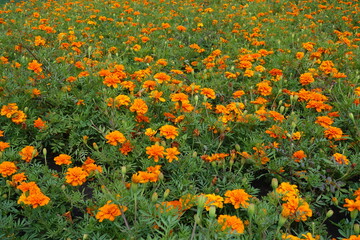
352,237
39,123
340,158
126,148
3,146
7,168
171,153
233,223
76,176
109,211
28,186
264,88
18,117
151,175
18,178
89,166
28,153
237,197
139,106
62,159
115,137
352,205
35,198
112,80
181,28
238,94
9,110
208,92
121,100
333,133
287,190
169,131
162,77
296,208
298,155
306,78
324,121
39,41
213,200
155,151
35,66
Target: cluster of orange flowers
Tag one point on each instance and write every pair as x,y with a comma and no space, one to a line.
353,205
294,207
238,198
12,111
152,174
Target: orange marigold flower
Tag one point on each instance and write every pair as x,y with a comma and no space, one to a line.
89,166
115,137
39,123
306,78
109,211
139,106
7,168
35,198
171,153
287,190
208,92
181,28
121,100
18,178
324,121
169,131
126,148
298,155
18,117
357,91
112,80
333,133
28,186
76,176
162,77
233,223
28,153
179,97
264,88
296,208
35,66
352,205
155,151
237,197
340,158
62,159
39,41
3,146
213,200
238,94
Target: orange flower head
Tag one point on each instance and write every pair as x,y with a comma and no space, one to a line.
298,155
237,197
208,92
306,78
340,158
109,211
7,168
76,176
232,223
213,200
40,124
169,131
171,153
62,159
28,153
155,151
115,137
3,146
333,133
139,106
35,66
9,110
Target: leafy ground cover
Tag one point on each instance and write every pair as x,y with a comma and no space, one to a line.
145,119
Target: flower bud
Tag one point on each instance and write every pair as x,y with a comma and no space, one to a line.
351,116
196,98
161,176
329,213
44,151
212,211
134,187
96,147
123,170
63,187
282,109
237,147
154,197
251,210
85,236
166,193
197,219
356,229
281,221
354,213
274,183
201,201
